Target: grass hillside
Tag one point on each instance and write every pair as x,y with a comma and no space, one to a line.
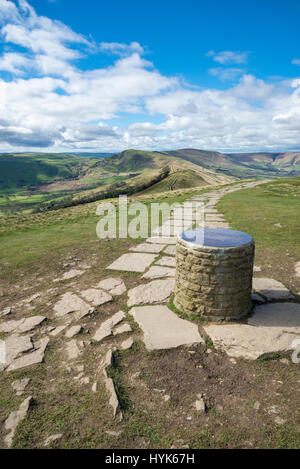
37,181
244,165
41,181
177,180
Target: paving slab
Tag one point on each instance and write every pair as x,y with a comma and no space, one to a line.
10,326
133,262
157,271
73,350
167,261
156,291
20,385
15,345
170,250
73,331
122,329
163,329
32,358
96,297
14,419
105,330
284,316
69,275
5,312
115,286
271,289
30,323
250,342
148,247
70,303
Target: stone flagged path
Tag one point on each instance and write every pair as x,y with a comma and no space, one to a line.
245,341
159,272
163,329
133,262
157,291
244,337
271,289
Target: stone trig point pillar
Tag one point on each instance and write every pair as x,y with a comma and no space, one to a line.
214,269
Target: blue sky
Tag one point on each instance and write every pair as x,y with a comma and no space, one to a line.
105,76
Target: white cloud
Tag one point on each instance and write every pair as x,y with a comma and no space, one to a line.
49,102
8,11
226,74
121,49
228,57
296,62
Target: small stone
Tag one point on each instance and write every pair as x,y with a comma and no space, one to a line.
122,329
32,358
52,438
256,268
285,361
14,418
279,421
127,344
274,409
112,433
94,387
166,397
200,404
73,331
15,345
71,303
256,405
115,286
20,385
113,399
85,380
70,274
30,323
73,350
133,262
57,330
5,312
105,330
96,297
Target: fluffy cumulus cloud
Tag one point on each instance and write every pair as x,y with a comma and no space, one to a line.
47,101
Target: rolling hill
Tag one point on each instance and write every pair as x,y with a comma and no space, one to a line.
31,181
244,165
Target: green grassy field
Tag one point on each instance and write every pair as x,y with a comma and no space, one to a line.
271,214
